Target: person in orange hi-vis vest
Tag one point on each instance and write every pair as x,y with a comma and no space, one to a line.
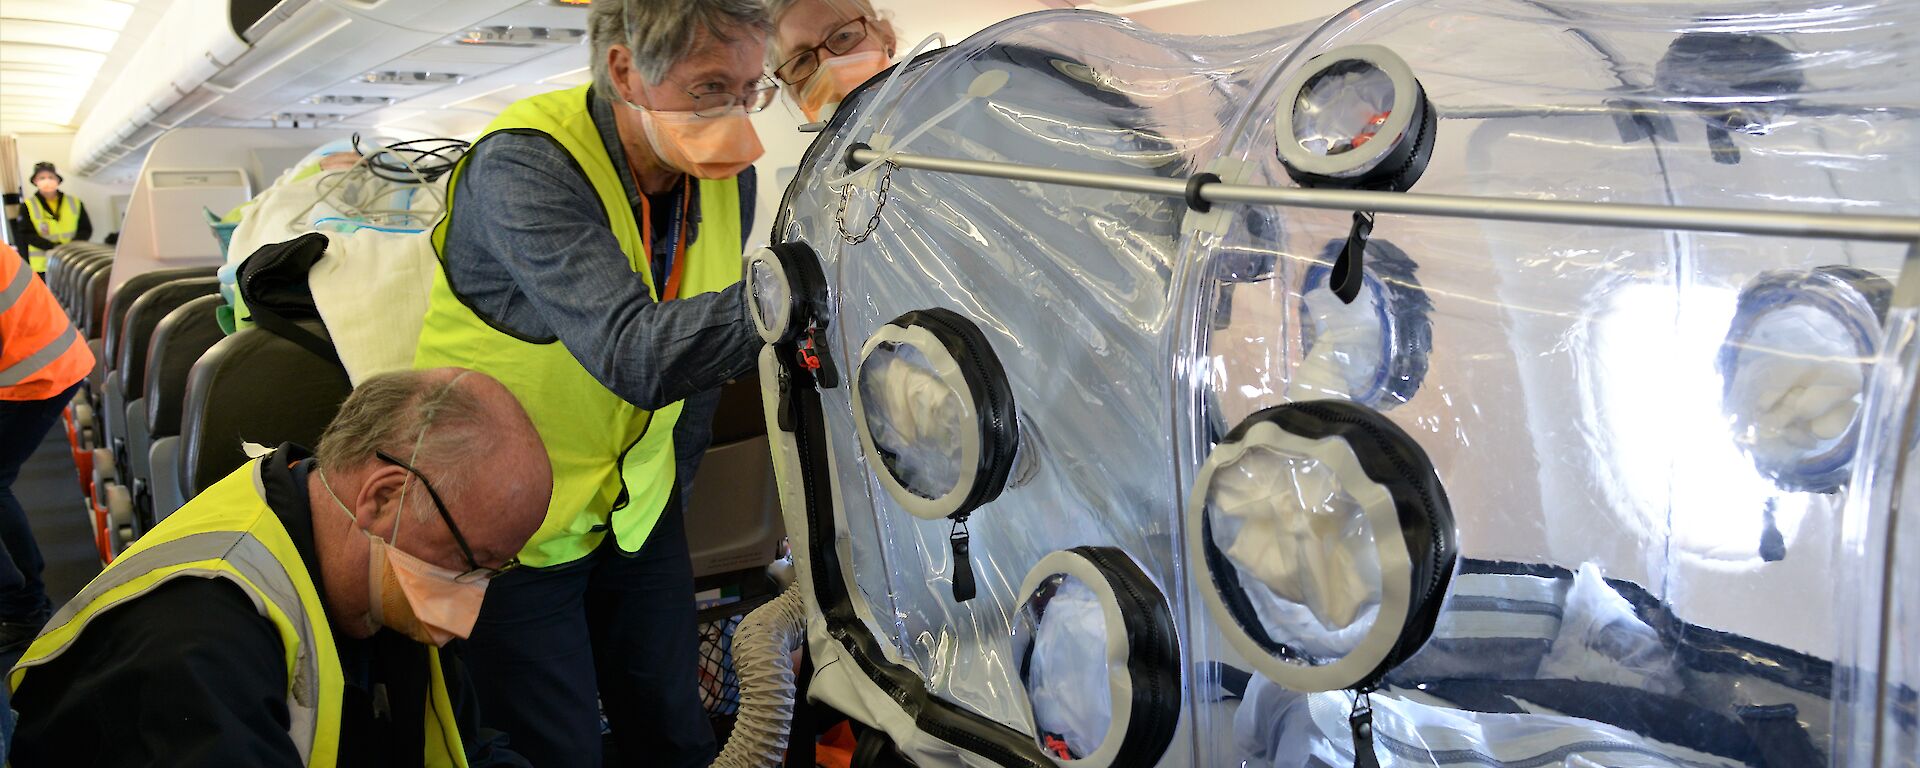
42,361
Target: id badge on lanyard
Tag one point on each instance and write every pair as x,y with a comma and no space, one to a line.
676,228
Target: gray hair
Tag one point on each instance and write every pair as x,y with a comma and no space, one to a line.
408,414
852,9
662,32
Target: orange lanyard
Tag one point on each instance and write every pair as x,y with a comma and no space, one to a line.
677,232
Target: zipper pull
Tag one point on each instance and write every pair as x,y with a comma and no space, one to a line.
1361,721
1345,277
783,413
963,588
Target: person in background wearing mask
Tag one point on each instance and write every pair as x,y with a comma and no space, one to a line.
52,218
590,260
293,614
822,49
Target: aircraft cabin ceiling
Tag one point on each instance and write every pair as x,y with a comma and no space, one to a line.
380,66
50,51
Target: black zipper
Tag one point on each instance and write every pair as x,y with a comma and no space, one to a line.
961,337
1388,447
940,719
1153,657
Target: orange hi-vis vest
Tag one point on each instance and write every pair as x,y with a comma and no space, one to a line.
41,353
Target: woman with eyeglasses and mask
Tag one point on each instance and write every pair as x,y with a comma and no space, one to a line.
590,260
823,49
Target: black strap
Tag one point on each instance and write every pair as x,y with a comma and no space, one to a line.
273,323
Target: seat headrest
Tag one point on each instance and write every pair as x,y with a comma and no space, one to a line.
132,289
131,358
178,342
254,386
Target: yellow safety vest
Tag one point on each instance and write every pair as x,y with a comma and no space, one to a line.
229,532
613,463
57,226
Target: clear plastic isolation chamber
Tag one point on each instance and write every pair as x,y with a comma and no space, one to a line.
1453,382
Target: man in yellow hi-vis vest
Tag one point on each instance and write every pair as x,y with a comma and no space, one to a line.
590,260
53,217
294,613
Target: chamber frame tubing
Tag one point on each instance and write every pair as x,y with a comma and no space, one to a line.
1831,226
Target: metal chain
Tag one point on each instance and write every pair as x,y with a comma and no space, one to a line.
879,204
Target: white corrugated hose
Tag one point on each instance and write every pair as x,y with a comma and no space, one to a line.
763,649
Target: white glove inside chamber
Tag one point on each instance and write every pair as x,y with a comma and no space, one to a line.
1286,525
917,420
1800,387
1066,673
1347,353
1795,365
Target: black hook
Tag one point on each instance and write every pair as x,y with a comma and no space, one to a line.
1344,279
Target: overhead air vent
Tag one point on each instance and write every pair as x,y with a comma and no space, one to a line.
338,100
391,77
520,37
302,119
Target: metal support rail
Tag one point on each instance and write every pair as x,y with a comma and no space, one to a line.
1206,189
1831,226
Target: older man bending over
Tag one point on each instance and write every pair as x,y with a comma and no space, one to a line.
293,613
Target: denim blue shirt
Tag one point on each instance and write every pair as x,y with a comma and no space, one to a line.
528,246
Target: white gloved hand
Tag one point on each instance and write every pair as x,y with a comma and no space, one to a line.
1799,385
1297,534
1067,678
915,416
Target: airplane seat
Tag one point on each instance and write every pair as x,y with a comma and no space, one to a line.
120,300
90,267
733,507
179,340
73,287
77,311
121,410
94,303
59,262
252,387
81,259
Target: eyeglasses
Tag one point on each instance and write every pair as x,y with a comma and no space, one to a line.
842,39
717,103
475,572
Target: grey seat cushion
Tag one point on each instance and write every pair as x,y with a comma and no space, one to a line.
164,459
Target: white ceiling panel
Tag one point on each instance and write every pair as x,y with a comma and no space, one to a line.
50,52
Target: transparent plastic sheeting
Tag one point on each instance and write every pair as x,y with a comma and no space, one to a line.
1061,633
915,419
1302,547
1637,574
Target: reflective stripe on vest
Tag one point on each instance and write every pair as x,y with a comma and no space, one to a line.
43,353
613,463
59,227
40,358
229,532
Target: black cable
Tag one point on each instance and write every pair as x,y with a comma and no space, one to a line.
413,161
